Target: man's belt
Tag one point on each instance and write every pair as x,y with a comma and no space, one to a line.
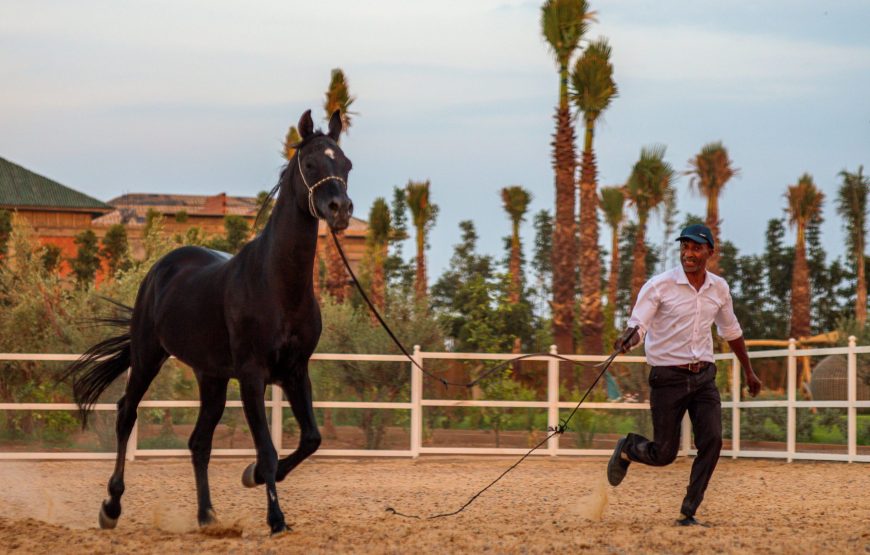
694,367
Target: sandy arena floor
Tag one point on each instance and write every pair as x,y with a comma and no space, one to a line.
561,505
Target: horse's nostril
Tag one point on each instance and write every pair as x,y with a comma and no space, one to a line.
333,207
350,207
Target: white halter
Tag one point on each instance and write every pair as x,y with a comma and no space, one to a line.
311,207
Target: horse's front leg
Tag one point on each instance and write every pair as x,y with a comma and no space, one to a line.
299,395
253,389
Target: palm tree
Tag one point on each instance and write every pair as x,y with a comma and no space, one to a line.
711,169
647,188
423,214
290,141
338,97
593,90
516,201
377,240
804,207
612,204
563,24
852,206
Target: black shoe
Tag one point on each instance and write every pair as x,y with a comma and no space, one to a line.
617,467
688,521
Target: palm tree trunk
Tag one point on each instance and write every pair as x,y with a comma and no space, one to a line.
713,223
638,268
420,286
800,289
564,257
613,278
861,287
591,314
514,266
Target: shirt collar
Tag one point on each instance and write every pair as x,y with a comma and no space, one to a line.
681,278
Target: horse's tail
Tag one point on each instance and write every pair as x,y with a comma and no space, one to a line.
98,367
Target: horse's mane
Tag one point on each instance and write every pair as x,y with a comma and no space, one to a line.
285,174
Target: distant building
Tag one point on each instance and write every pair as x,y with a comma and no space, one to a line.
56,212
182,212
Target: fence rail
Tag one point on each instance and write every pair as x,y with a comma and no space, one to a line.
553,405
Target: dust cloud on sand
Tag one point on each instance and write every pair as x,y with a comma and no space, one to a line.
591,506
337,505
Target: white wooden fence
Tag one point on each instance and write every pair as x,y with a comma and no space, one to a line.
553,406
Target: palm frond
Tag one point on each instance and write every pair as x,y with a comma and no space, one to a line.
804,202
593,87
711,169
516,201
338,97
612,203
417,197
563,24
650,179
852,206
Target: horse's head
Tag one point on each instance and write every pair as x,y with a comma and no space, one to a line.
323,170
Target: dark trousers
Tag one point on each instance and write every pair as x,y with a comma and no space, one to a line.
673,392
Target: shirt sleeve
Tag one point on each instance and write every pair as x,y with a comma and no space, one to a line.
648,301
726,321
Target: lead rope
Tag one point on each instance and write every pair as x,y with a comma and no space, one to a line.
560,429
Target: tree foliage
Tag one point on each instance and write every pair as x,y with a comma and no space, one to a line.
115,250
87,259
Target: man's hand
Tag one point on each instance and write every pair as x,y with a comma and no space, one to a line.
752,382
627,340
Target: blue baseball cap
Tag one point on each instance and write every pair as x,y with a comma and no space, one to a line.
698,233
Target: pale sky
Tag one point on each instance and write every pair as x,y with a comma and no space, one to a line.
195,97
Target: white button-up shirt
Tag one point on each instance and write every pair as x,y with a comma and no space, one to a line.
674,319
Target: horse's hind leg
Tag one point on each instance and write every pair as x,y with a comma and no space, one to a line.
213,399
144,367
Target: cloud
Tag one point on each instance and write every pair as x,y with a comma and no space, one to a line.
729,64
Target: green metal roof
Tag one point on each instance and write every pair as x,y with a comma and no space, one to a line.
21,188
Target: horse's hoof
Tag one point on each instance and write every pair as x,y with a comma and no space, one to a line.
208,519
280,530
106,522
248,479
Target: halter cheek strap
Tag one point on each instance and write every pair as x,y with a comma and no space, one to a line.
311,208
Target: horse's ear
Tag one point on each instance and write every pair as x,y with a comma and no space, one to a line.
335,125
306,125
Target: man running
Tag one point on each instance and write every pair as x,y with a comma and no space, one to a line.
673,315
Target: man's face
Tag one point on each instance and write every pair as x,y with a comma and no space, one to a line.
694,256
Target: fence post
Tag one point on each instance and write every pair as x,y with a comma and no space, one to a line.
277,417
735,408
133,440
553,401
852,412
685,435
791,411
416,404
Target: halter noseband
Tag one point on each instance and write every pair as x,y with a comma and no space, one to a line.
311,208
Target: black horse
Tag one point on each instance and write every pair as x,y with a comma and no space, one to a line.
252,317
